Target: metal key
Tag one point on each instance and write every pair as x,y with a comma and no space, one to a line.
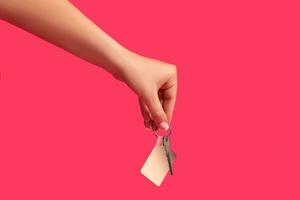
169,153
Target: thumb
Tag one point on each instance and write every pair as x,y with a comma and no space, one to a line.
157,112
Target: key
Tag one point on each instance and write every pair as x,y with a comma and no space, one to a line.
169,153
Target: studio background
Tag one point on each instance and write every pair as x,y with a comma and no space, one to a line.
68,130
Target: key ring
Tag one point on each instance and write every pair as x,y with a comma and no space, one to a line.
166,135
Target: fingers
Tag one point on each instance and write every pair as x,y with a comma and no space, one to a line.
169,97
156,110
145,113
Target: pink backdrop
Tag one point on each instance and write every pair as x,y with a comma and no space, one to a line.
68,130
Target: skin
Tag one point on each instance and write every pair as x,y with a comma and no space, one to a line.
62,24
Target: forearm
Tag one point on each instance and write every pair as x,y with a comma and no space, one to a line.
60,23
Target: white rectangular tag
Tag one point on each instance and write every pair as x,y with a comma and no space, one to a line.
156,166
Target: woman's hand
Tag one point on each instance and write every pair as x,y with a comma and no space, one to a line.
155,83
60,23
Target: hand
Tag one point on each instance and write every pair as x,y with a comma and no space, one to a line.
155,83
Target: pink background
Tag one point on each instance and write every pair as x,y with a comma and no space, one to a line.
68,130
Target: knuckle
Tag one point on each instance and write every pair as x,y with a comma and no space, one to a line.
173,68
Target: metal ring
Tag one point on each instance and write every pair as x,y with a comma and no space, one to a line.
167,135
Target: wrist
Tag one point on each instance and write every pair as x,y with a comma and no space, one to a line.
123,64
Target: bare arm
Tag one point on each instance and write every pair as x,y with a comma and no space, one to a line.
62,24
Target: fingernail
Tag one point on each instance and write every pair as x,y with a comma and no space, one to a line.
164,126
